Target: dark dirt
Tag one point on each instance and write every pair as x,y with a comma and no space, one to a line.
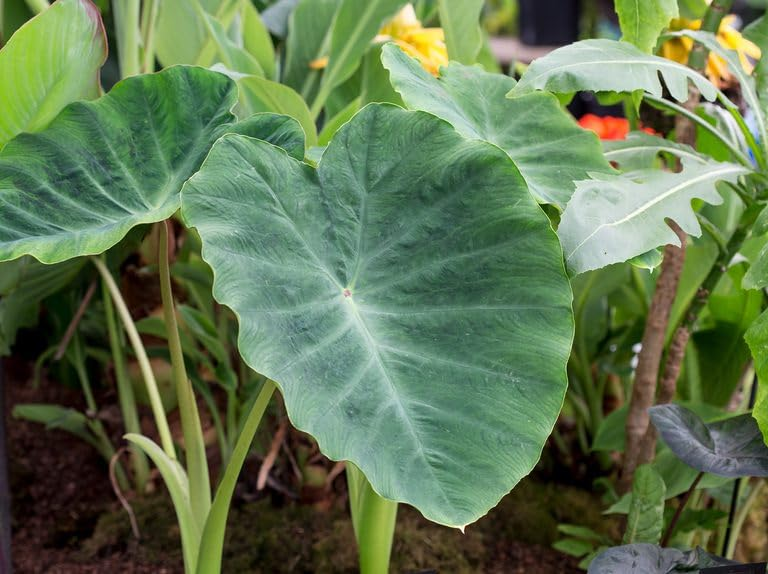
67,520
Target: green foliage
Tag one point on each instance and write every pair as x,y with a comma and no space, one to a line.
642,22
757,339
614,218
51,61
609,66
646,508
395,319
460,19
543,141
117,162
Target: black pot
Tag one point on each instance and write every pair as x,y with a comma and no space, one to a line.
549,22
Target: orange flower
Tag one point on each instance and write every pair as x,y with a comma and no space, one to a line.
608,127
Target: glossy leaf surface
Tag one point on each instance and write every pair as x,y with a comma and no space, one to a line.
609,66
52,60
615,218
388,294
545,143
106,166
732,447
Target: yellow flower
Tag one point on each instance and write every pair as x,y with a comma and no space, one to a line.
678,49
425,44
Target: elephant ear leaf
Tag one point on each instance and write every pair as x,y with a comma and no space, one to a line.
733,447
388,294
609,66
547,146
52,60
645,558
103,167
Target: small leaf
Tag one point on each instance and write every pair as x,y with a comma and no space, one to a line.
652,559
573,547
609,66
646,509
642,22
732,447
388,294
103,167
615,218
460,20
52,60
57,417
545,143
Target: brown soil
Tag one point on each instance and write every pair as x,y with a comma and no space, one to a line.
67,521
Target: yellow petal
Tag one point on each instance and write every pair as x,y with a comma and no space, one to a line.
319,64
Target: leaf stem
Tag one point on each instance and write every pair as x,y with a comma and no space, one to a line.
141,356
212,543
37,6
149,14
744,160
732,535
194,445
373,518
679,511
125,393
127,16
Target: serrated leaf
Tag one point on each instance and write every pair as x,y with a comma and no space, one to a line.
609,66
52,60
545,143
103,167
460,20
643,21
640,150
388,295
615,218
646,508
733,447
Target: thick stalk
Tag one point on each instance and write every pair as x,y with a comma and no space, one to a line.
373,518
649,359
141,356
38,6
5,491
127,16
125,395
194,444
148,26
212,543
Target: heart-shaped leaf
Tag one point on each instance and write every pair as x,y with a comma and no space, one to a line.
732,447
615,218
609,66
106,166
52,60
550,150
389,294
653,559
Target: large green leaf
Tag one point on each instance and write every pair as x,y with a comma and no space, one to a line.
182,35
460,20
389,295
757,339
733,447
52,60
547,146
609,66
643,21
106,166
646,510
616,218
354,27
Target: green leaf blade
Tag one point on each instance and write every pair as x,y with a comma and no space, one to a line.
401,325
646,510
609,66
460,20
52,60
642,21
473,101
